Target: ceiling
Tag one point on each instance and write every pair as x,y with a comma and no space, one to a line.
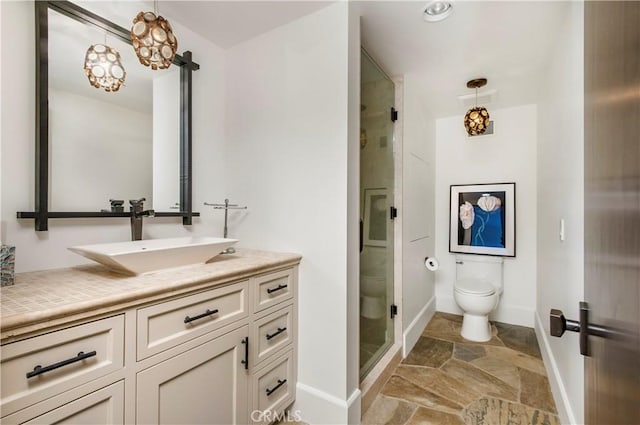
228,23
508,42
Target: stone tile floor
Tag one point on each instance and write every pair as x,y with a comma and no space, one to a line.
447,380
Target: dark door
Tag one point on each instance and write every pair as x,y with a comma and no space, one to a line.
612,210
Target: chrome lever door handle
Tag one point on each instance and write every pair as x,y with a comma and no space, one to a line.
558,324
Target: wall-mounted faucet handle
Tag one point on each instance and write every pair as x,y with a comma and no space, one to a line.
117,205
136,202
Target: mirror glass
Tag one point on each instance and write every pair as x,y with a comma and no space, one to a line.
110,145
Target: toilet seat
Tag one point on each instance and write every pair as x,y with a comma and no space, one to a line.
478,288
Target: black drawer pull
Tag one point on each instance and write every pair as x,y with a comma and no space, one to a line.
276,333
279,287
281,382
38,370
200,316
245,362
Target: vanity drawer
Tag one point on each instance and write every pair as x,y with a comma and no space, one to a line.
38,368
104,406
272,289
272,333
274,388
171,323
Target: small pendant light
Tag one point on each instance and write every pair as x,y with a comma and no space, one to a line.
103,67
476,120
153,40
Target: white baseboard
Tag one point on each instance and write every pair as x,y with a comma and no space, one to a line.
565,412
504,313
354,402
320,408
417,325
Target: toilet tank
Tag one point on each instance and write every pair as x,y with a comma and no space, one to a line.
481,267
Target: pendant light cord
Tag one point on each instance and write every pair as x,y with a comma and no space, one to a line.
155,7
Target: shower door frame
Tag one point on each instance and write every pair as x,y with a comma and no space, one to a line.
395,348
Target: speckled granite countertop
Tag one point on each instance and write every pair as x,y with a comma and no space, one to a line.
52,297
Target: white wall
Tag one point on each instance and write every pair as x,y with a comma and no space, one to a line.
288,103
418,213
353,401
560,264
44,250
84,150
507,156
166,152
1,125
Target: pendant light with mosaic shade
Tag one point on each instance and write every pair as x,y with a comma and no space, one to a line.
103,67
476,120
153,39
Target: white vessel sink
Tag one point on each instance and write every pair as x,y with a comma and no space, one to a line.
137,257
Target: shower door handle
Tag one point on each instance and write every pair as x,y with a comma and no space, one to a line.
361,235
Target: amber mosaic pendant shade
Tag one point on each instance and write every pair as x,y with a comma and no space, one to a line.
476,120
103,67
153,40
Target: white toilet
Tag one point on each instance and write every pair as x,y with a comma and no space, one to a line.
372,297
477,291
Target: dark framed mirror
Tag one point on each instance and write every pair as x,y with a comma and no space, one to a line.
54,21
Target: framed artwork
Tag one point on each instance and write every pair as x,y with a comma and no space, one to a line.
375,217
482,219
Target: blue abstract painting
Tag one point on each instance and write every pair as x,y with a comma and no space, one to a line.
483,219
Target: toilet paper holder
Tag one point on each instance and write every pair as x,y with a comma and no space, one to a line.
431,263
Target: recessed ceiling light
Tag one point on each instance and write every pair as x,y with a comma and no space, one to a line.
437,10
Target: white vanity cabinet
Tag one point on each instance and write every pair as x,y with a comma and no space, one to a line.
216,354
205,385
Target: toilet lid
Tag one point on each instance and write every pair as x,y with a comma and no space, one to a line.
475,287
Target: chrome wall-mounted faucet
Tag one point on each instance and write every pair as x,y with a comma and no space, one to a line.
137,212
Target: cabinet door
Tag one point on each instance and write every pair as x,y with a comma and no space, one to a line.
205,385
105,406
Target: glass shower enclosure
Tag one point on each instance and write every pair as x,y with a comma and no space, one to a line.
376,200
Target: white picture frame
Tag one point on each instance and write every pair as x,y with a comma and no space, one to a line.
483,226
